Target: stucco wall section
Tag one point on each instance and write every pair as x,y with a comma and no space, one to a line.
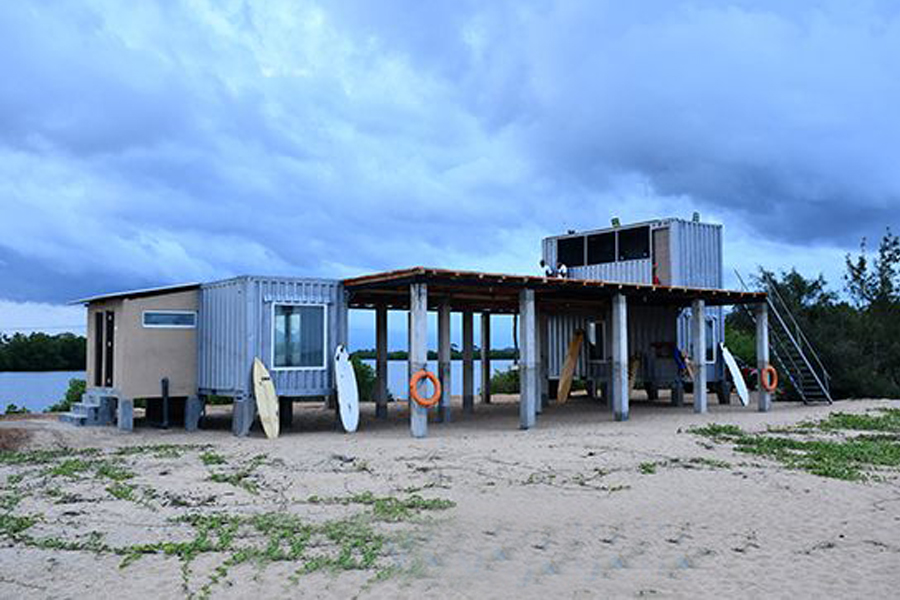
143,356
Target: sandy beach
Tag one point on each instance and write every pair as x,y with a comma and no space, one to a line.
579,507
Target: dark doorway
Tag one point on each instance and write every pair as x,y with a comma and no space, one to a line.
110,337
98,348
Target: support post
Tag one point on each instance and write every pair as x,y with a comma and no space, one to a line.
193,411
698,352
444,373
243,413
619,379
418,353
544,332
468,363
381,362
485,358
529,387
125,414
762,354
539,337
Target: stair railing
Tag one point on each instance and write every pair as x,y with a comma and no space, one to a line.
826,376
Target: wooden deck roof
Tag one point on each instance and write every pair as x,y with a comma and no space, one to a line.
497,292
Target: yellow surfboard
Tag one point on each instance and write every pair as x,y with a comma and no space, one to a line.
266,399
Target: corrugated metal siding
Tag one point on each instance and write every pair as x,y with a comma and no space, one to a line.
696,254
646,326
236,327
714,372
560,329
222,336
628,271
548,247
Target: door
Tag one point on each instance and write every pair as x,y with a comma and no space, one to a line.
662,257
99,350
109,347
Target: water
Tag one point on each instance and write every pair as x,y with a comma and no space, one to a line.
37,391
398,379
34,391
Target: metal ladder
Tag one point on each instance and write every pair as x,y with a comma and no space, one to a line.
791,349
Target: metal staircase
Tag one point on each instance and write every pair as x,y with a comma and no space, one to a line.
793,354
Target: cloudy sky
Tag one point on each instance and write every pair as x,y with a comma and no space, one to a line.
149,143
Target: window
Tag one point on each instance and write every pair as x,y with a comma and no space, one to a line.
170,319
711,339
299,337
601,248
596,338
634,243
570,251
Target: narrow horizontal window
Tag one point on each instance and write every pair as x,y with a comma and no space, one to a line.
299,337
174,319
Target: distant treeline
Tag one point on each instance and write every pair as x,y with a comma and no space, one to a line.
455,354
42,352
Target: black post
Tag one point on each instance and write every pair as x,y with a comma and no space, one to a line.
165,402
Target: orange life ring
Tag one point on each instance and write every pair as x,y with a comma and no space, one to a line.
414,392
769,378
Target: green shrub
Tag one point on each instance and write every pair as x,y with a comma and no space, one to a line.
365,379
505,382
73,395
12,409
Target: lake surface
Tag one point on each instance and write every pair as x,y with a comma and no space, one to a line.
37,391
398,379
34,391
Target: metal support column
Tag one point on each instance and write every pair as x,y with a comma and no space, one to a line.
418,353
619,383
529,387
381,362
468,364
762,354
485,358
698,353
443,412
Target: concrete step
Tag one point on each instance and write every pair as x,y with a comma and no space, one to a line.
73,418
90,411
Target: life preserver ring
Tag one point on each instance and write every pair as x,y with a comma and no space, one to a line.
414,392
768,379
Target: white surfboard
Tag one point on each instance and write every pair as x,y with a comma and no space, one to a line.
348,393
740,385
266,399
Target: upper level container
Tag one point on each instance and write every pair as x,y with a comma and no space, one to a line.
666,251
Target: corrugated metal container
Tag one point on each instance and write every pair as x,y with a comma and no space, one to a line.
691,251
235,326
682,253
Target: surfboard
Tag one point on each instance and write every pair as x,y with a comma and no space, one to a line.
266,399
348,393
740,385
568,370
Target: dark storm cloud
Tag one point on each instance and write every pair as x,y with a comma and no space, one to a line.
149,143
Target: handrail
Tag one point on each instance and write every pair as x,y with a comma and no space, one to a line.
802,335
782,363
